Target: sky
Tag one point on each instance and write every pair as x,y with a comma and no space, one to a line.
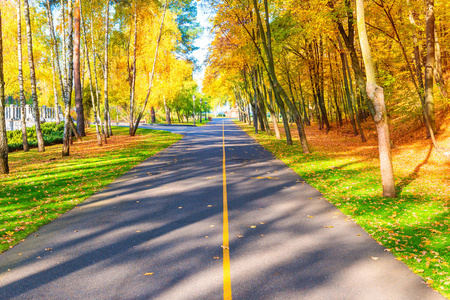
203,42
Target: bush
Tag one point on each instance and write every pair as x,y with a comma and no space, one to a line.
52,134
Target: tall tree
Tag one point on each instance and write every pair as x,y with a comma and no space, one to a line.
63,37
438,72
429,65
346,87
132,70
91,88
54,84
26,147
97,90
280,93
349,43
55,47
189,28
105,75
376,94
68,87
152,75
4,166
77,73
40,138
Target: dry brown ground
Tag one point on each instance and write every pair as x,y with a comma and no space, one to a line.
414,157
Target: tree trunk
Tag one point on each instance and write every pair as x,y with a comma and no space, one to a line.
376,94
63,37
153,115
284,117
438,67
133,78
280,93
358,119
4,166
40,138
416,52
347,89
349,43
68,88
55,47
320,85
335,95
179,116
262,103
272,116
420,91
55,88
167,110
305,112
26,147
97,90
73,129
255,114
429,66
91,88
354,104
77,73
106,117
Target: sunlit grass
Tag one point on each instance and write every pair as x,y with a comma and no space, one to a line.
43,186
414,226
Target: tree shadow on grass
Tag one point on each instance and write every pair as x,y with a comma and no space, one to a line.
414,175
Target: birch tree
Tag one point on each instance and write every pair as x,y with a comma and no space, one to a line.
132,76
4,167
40,138
376,94
107,119
91,88
97,90
77,73
152,75
429,65
68,87
26,147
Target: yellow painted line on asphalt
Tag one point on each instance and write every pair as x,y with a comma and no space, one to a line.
226,238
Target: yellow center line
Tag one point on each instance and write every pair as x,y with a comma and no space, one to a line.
226,239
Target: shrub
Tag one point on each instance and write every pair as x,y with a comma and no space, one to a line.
52,134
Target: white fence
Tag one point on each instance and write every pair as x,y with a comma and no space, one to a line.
13,116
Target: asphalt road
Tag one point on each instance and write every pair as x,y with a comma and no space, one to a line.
156,233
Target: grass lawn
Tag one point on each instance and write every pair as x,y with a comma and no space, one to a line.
414,226
42,186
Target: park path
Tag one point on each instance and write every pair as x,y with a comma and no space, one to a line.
157,233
